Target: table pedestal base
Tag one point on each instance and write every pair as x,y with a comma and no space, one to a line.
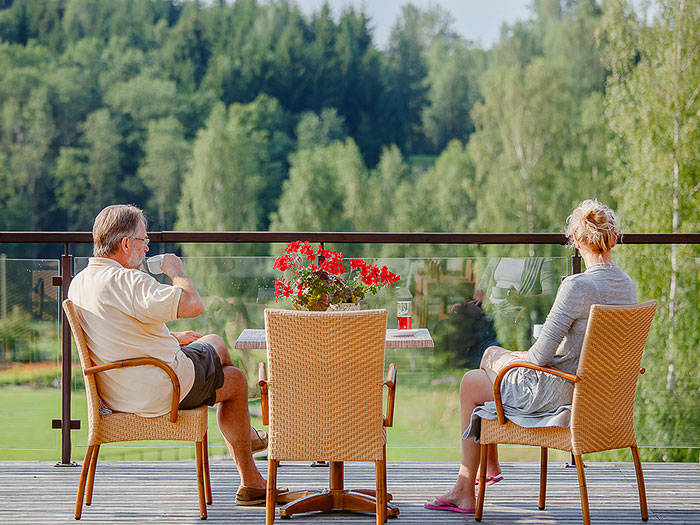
335,498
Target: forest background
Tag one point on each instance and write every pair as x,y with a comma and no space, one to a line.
249,115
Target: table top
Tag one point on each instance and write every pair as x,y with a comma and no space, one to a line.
254,339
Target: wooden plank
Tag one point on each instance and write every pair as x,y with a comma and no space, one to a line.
134,492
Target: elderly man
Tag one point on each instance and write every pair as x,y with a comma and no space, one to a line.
123,312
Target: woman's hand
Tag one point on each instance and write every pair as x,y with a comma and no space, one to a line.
185,338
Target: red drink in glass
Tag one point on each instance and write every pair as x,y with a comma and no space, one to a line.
403,314
404,322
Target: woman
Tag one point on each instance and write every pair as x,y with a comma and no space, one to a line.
530,394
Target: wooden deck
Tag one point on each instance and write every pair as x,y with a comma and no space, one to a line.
165,492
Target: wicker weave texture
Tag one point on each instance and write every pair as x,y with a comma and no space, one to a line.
85,362
603,405
191,425
550,437
325,384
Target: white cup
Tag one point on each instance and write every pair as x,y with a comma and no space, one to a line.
536,330
154,263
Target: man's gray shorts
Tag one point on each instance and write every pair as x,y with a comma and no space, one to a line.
208,375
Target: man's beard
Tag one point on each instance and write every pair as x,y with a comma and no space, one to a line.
136,260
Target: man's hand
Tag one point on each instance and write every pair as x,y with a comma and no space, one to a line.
190,304
185,338
171,265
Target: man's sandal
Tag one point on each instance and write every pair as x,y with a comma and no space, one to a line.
247,496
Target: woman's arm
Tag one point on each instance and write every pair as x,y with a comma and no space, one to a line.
568,306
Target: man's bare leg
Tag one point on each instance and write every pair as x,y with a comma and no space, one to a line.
233,417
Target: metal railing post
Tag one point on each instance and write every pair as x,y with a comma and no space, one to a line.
576,268
65,423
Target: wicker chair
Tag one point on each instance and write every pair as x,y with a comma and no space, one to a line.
108,427
603,403
325,403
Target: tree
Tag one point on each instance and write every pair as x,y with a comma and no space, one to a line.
89,177
453,76
384,182
164,164
521,129
653,106
220,190
320,130
29,133
325,190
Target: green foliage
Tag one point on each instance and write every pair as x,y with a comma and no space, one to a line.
163,167
652,105
326,190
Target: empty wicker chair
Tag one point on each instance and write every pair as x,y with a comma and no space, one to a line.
603,403
108,427
325,403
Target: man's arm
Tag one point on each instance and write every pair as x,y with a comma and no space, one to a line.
190,304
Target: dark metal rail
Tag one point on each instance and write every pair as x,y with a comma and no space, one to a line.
349,237
237,237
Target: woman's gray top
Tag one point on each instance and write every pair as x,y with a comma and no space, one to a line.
538,396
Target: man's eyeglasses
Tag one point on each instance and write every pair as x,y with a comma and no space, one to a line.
144,240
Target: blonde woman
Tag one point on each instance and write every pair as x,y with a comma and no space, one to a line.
530,398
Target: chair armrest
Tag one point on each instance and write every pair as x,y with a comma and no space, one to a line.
262,382
390,383
141,361
524,364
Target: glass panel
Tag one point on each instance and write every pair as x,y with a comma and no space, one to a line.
667,410
467,303
29,345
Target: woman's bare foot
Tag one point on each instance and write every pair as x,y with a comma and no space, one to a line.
493,471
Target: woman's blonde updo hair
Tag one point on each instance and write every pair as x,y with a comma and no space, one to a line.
594,224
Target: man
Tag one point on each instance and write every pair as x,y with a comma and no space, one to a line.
123,312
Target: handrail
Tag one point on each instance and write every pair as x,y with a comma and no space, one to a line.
347,237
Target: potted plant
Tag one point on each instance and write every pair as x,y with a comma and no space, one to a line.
319,279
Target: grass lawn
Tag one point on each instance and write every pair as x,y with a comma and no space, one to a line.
426,428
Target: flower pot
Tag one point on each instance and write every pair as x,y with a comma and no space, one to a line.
344,307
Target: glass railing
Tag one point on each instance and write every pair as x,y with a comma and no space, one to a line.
467,303
29,353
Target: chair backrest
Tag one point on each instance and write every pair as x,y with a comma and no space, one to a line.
93,399
603,403
325,377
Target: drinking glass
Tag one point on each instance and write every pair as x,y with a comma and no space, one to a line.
403,315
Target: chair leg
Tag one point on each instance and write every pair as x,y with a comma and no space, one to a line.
386,488
380,495
81,485
271,496
200,480
91,475
207,477
640,484
583,489
543,476
482,482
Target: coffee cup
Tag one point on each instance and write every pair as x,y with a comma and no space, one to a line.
154,264
537,330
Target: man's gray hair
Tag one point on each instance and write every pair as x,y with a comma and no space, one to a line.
112,224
